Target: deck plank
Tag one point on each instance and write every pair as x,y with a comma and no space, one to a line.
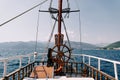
42,72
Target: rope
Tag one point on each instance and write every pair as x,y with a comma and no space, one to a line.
66,33
23,13
51,3
80,32
51,33
37,30
80,29
68,4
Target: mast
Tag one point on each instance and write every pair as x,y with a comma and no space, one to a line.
59,22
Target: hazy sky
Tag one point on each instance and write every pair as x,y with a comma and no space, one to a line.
100,21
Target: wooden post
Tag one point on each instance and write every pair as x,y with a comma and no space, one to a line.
13,77
100,76
18,75
59,23
23,73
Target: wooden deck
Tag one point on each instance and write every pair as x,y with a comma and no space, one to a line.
42,72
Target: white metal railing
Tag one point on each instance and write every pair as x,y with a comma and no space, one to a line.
20,57
99,62
5,60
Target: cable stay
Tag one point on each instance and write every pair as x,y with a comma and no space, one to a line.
80,28
80,32
66,33
51,35
22,13
37,30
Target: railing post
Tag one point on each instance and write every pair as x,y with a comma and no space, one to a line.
29,60
83,59
96,77
100,76
5,68
115,71
98,64
89,61
77,68
71,68
18,75
89,64
35,55
20,64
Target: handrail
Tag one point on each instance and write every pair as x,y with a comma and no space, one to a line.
20,73
5,60
108,60
20,57
99,60
97,72
15,57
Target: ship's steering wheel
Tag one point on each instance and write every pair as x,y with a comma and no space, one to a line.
60,57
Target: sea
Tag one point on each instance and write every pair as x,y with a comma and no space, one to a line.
105,66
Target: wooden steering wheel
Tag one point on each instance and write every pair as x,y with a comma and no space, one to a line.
60,57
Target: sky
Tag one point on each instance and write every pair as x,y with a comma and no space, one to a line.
99,21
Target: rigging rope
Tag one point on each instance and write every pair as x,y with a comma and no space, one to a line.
66,33
68,4
51,3
37,30
53,28
68,7
80,32
51,33
80,28
23,13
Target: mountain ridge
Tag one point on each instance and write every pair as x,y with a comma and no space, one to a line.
114,45
31,44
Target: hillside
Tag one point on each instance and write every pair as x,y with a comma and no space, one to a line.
31,45
84,46
17,48
114,45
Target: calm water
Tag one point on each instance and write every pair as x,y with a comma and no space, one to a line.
105,66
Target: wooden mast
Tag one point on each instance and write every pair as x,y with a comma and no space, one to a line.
59,22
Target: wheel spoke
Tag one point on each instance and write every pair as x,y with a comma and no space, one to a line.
66,51
54,51
63,48
67,56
